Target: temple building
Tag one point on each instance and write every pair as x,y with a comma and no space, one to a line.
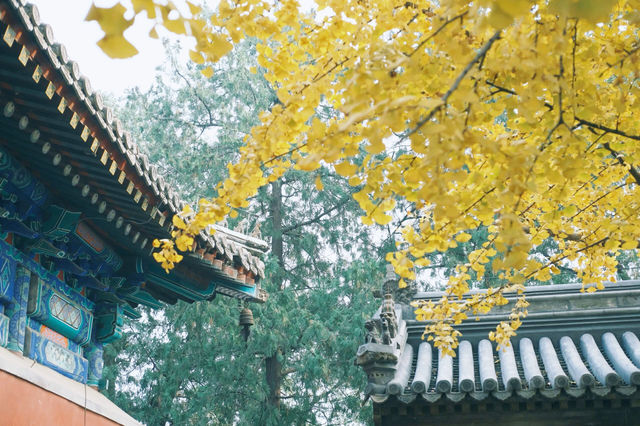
575,361
79,208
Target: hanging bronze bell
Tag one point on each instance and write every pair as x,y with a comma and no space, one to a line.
246,321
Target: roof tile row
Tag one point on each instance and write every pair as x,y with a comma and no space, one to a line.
567,367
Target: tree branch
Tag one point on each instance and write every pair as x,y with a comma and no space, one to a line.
436,32
607,129
632,170
325,212
479,56
197,95
581,121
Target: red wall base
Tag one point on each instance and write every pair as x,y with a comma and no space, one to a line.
23,403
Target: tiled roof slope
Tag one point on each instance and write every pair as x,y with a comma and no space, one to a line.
87,147
571,344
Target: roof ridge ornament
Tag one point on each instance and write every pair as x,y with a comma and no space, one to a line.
385,340
391,285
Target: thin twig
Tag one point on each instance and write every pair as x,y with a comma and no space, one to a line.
436,32
481,53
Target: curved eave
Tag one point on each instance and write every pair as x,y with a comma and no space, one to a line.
85,158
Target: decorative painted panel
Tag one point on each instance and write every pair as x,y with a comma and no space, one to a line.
59,222
79,243
55,356
107,260
65,311
23,195
46,276
17,311
54,336
7,277
74,347
58,338
4,330
59,312
94,353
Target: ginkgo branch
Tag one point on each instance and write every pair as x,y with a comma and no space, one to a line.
436,32
632,170
607,129
481,53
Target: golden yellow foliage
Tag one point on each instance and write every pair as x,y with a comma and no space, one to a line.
113,23
422,86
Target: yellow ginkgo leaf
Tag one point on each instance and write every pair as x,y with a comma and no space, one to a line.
463,237
207,72
194,8
218,47
366,220
176,26
345,168
111,19
144,6
423,261
307,164
380,218
319,185
196,57
178,222
116,46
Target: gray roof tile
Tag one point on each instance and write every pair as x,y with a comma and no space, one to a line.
593,361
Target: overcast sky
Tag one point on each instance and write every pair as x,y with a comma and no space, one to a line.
66,17
107,75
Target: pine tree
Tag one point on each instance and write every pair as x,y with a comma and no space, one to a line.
188,364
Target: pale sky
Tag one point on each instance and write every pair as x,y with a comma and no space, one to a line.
107,75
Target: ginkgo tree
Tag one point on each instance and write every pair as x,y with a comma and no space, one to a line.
518,116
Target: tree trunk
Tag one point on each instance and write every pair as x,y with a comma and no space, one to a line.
273,371
276,219
273,366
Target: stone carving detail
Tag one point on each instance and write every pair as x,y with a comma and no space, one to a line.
385,338
374,329
389,328
381,330
389,318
